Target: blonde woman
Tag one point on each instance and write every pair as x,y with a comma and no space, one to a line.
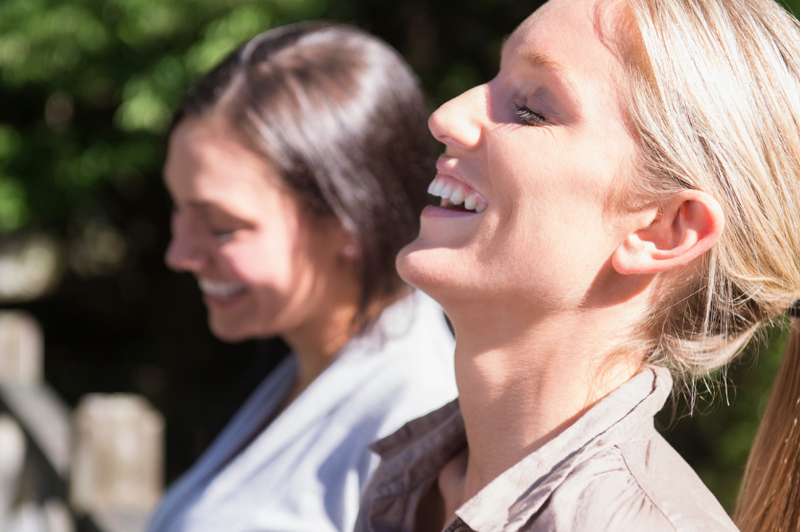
619,204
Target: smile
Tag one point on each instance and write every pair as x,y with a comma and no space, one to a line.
220,289
457,195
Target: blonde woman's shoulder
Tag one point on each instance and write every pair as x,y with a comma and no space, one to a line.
641,485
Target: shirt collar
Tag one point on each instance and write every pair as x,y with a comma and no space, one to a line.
510,500
413,457
411,460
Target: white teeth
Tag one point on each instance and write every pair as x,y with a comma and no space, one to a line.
457,197
220,289
447,191
470,202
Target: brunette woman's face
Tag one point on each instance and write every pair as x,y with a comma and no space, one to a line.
539,149
259,260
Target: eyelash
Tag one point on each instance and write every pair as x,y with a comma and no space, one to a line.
223,236
531,118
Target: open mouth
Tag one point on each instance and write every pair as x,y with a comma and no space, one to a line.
220,290
456,196
445,203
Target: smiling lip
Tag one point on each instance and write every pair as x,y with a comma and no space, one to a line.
219,293
220,301
455,190
454,193
436,211
446,166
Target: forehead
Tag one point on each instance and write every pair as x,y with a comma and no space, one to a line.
206,165
576,38
204,153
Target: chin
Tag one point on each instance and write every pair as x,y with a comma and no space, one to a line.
452,276
407,264
423,268
228,333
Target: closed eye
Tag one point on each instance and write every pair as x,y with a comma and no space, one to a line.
223,236
532,118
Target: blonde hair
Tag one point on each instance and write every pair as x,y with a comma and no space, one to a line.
714,102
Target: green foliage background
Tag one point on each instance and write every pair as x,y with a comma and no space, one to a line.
87,88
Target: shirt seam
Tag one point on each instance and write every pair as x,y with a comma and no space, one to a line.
643,490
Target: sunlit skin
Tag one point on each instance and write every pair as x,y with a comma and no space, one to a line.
545,284
233,224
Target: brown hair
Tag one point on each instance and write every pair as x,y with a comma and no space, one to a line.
341,117
769,500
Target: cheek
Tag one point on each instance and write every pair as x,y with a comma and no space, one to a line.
555,229
259,259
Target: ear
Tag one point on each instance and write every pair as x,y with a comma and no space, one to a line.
336,240
351,250
682,229
346,244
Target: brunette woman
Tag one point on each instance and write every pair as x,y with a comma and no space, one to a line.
620,207
298,169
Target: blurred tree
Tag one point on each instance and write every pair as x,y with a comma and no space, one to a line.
87,88
93,84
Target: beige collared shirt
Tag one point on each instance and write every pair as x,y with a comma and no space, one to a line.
609,471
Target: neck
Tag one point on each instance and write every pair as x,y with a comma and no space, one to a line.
521,384
317,342
321,335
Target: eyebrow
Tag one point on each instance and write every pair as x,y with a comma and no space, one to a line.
206,207
210,211
200,204
536,58
540,60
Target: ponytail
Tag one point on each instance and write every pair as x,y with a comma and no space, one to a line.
769,500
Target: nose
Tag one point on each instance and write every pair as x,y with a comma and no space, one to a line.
459,122
185,252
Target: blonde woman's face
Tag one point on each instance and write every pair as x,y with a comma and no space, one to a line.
538,149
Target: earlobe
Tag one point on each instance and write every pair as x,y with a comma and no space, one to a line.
351,251
336,240
681,230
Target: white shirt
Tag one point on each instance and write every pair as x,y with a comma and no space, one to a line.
306,471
